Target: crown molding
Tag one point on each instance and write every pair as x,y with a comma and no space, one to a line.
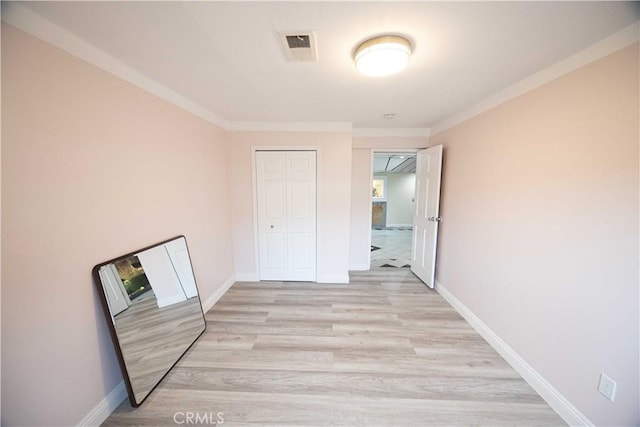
291,126
623,38
43,29
391,132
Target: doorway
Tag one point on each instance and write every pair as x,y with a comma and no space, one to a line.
392,209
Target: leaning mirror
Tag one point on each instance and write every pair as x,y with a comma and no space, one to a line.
153,311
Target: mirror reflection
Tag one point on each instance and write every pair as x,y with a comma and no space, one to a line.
155,311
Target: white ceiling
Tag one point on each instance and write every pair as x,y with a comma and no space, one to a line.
227,56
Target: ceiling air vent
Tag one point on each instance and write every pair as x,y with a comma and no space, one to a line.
300,46
295,42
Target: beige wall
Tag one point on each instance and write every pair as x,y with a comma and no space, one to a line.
389,142
334,193
360,233
92,168
539,236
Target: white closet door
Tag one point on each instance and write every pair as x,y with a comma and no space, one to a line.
272,217
286,195
179,255
301,215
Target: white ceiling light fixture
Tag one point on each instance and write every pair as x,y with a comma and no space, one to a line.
382,55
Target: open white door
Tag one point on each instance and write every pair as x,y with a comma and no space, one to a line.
114,289
426,219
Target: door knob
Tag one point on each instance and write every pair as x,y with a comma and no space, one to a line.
271,226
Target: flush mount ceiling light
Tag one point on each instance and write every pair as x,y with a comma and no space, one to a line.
382,56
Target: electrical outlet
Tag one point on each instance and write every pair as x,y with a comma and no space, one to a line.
607,387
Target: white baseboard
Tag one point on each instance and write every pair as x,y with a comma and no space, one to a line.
333,278
321,278
399,225
557,401
217,294
358,266
106,406
247,277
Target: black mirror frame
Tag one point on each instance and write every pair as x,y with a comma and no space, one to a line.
112,329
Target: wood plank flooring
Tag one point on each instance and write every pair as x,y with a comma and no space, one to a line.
383,350
152,338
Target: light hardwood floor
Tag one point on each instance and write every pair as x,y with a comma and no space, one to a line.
383,350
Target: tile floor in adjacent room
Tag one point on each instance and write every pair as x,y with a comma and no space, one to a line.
394,247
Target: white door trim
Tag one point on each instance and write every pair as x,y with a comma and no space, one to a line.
371,173
254,195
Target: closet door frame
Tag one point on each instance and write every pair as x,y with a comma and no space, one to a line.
254,187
